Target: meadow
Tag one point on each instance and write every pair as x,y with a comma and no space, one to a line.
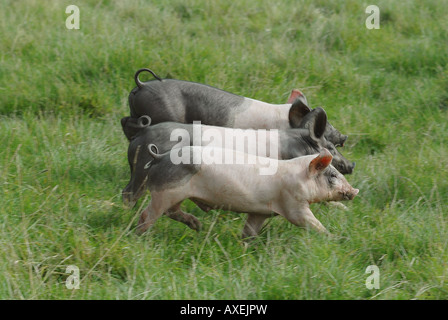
63,156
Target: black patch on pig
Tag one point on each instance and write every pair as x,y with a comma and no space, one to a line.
333,135
184,102
130,127
164,174
296,143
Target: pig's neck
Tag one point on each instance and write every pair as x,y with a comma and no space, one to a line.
261,115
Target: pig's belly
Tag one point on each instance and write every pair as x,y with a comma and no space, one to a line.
237,188
237,206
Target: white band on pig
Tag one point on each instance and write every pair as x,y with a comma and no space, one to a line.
148,164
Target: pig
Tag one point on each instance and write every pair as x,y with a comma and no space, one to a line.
331,133
184,102
289,192
287,144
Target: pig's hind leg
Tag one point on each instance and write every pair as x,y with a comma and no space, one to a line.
177,214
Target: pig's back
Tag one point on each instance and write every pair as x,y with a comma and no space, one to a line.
237,187
185,102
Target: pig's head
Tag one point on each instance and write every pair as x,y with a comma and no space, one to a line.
316,123
342,164
324,182
299,109
333,135
132,126
140,158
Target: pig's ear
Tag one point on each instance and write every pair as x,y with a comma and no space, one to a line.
297,112
315,122
297,94
320,163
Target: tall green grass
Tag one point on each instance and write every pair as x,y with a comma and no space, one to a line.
63,156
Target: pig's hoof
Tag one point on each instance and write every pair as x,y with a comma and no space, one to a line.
141,228
139,231
195,224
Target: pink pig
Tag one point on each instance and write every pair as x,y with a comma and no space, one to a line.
240,188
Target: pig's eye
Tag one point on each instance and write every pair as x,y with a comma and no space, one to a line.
333,177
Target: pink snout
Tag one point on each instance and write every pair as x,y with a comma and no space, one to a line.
348,194
354,193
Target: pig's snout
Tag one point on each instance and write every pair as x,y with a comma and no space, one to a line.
350,167
343,139
354,193
348,194
345,167
351,194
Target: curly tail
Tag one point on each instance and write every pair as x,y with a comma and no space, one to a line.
137,80
155,154
143,121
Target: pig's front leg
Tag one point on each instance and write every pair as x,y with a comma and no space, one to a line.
190,220
336,204
303,217
253,225
148,218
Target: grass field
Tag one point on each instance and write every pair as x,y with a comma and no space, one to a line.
63,158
